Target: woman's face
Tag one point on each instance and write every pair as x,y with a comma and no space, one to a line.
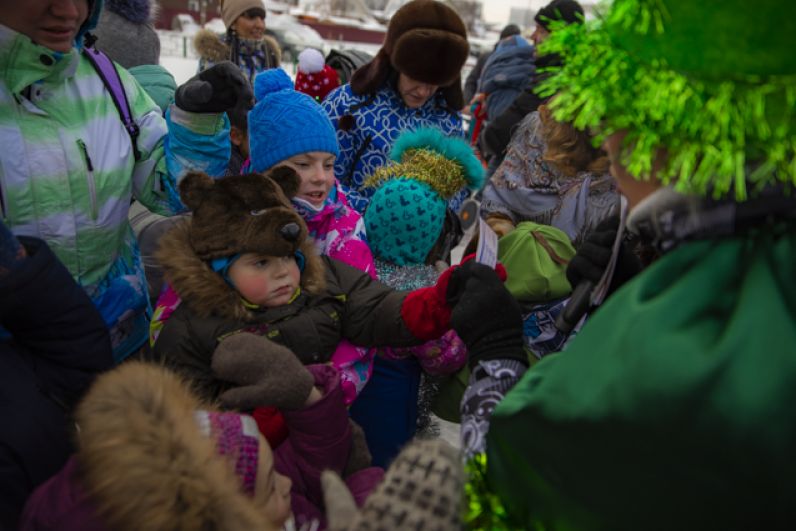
250,25
49,23
414,93
316,171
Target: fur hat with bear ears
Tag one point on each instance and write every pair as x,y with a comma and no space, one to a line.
427,41
235,215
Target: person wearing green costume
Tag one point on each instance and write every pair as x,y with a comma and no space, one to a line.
673,407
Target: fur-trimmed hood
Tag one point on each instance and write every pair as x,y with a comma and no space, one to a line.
213,47
234,215
205,291
146,465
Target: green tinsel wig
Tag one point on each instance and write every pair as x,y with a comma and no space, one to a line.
708,84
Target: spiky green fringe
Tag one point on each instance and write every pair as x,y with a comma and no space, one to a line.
712,137
483,510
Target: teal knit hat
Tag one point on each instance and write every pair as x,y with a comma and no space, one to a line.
405,216
285,122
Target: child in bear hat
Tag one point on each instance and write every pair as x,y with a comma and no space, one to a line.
286,128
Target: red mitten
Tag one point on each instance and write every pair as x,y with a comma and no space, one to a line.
426,312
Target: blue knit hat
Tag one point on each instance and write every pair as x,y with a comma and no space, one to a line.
406,214
285,122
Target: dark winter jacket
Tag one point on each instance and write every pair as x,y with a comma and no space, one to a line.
58,344
346,303
471,83
251,56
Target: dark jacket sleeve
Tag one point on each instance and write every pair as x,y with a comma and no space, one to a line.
496,136
372,313
49,315
320,437
471,83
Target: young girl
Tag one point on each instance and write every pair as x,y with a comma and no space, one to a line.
287,128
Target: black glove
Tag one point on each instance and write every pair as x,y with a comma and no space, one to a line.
485,315
220,87
593,255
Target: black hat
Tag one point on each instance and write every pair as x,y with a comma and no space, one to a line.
568,11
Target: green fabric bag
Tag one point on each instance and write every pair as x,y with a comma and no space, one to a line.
535,257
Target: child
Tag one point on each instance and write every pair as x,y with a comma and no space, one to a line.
405,220
287,128
239,139
238,269
314,77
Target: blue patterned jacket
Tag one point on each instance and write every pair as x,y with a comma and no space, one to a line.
378,121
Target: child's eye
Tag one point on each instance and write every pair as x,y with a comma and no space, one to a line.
261,263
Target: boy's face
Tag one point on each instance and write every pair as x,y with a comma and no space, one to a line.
633,189
271,489
50,23
240,138
267,281
316,170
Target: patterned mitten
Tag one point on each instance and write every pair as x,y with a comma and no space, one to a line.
265,373
422,489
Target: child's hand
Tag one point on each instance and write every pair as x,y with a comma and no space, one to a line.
264,373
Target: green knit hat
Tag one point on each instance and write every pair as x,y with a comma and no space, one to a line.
710,84
405,216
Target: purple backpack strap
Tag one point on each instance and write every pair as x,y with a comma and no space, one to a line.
113,83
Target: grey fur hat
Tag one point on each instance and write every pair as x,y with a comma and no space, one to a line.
126,32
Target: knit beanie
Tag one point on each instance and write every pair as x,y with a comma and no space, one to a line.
285,123
125,32
568,11
405,216
314,77
157,82
232,9
236,436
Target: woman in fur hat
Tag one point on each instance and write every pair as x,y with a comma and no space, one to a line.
414,81
245,42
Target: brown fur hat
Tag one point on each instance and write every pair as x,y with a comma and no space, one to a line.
237,214
427,41
144,462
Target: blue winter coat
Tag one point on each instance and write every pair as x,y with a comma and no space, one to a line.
58,344
507,72
378,121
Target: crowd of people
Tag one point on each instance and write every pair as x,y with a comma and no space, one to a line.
233,303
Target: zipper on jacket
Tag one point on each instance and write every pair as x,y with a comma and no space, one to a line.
92,186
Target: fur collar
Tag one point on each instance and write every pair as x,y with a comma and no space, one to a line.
144,462
205,292
213,47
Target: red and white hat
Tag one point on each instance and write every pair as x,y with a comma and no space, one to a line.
314,77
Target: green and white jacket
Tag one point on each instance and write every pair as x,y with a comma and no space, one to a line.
68,171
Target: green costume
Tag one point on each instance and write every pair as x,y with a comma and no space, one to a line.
674,406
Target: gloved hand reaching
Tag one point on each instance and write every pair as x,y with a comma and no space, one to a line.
266,373
426,311
594,254
220,87
485,315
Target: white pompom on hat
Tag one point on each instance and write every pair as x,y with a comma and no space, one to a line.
310,61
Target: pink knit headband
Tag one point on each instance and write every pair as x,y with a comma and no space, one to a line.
237,436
